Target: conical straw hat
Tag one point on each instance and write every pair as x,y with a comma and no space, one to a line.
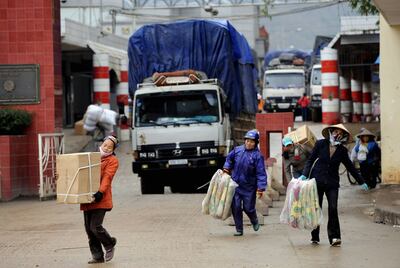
325,131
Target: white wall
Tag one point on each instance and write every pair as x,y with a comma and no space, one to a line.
390,101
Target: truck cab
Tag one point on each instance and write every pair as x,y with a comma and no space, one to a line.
316,93
283,87
180,133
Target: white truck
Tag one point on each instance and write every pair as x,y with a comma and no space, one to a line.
316,93
180,133
283,87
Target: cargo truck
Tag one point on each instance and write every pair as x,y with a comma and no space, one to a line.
187,80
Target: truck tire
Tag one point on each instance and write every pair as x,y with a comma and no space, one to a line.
149,185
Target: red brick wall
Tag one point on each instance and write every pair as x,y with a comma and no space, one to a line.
30,34
14,167
273,122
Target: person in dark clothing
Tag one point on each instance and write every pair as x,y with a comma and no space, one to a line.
295,156
323,165
246,164
368,154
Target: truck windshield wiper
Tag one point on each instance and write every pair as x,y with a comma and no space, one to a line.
154,123
196,120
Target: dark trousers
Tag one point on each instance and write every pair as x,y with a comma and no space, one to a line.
304,113
332,195
244,201
96,233
369,172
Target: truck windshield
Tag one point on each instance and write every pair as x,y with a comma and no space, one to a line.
284,80
176,108
316,77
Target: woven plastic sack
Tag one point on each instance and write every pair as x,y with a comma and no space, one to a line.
108,117
229,197
93,112
301,209
218,199
205,205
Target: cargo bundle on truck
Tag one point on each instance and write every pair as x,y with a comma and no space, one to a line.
185,78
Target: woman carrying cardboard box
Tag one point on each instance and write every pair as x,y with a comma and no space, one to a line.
94,212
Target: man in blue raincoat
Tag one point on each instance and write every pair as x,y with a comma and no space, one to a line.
246,165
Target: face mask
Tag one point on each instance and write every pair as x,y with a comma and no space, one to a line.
285,154
104,154
336,139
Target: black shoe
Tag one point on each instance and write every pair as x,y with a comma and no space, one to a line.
314,242
256,227
93,261
336,242
110,252
238,234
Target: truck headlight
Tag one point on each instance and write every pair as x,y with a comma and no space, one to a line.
205,151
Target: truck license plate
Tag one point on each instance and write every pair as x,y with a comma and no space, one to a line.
283,105
178,162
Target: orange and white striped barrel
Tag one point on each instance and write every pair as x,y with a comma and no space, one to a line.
345,98
330,86
356,95
122,100
367,100
101,79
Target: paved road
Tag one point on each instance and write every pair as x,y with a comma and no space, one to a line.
169,231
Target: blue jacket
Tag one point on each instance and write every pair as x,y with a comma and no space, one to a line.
374,152
247,168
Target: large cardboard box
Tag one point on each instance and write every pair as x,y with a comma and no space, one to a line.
78,177
303,135
79,129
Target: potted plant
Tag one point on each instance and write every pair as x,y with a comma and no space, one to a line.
14,122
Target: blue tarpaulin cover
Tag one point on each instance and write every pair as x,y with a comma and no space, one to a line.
214,47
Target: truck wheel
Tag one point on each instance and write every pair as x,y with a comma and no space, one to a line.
149,185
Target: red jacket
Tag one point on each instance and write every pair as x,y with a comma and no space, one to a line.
109,166
303,102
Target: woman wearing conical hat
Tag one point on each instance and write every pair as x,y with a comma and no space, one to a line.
323,165
368,154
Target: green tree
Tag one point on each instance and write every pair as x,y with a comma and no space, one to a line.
364,7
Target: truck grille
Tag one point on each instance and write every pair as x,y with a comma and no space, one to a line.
170,150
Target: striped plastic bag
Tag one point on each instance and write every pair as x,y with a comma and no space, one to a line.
218,199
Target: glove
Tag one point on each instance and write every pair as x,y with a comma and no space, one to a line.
98,196
303,178
365,187
259,193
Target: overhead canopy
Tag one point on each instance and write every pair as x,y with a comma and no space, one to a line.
390,9
115,55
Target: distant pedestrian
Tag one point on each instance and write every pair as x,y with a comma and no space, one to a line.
294,157
246,165
94,212
304,102
323,165
368,154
